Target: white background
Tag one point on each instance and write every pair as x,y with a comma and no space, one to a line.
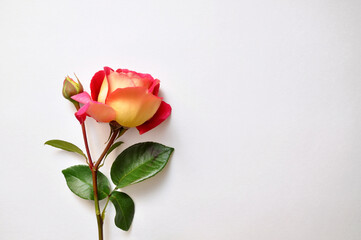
266,99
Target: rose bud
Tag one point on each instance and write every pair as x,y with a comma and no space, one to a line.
71,88
127,97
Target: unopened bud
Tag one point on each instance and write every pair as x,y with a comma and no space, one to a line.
71,88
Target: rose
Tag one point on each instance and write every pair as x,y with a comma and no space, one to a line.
127,97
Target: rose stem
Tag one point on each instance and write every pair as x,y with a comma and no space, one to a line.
110,143
94,177
94,170
96,202
86,145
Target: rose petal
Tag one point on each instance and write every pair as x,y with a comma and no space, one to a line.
154,88
107,70
101,112
96,84
103,92
162,114
133,106
139,79
81,113
83,97
118,80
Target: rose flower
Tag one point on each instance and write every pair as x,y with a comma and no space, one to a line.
127,97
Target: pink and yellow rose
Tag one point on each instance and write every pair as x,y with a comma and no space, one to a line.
127,97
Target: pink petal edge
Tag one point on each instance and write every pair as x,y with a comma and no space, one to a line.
83,97
81,113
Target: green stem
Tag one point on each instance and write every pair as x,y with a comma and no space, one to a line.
96,202
106,204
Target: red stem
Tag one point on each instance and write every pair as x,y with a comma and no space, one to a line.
110,143
94,170
86,145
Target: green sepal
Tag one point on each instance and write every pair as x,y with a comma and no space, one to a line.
124,207
80,182
64,145
139,162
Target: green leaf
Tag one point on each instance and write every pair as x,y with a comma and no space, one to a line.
124,207
114,146
79,180
139,162
67,146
